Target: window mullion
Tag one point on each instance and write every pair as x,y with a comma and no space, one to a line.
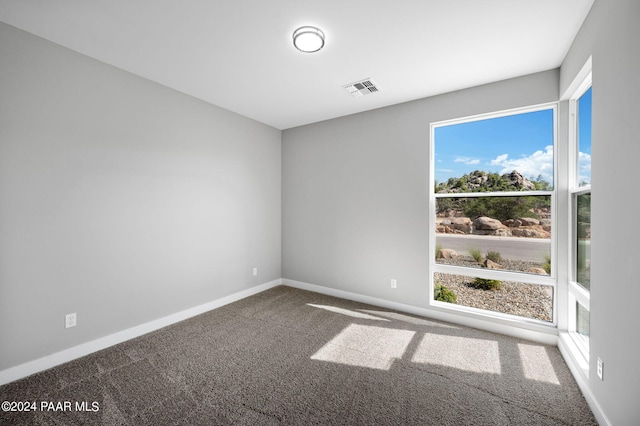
581,294
495,274
493,194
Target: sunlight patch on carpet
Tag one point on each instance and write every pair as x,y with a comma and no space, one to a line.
536,364
366,346
463,353
348,312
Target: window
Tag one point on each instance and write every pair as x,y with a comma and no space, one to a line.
580,212
492,198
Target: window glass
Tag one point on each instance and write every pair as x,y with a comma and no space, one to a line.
507,297
510,233
583,243
469,156
493,186
582,321
580,197
584,139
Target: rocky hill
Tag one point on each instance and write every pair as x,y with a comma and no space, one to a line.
481,181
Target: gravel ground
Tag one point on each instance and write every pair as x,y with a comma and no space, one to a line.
526,300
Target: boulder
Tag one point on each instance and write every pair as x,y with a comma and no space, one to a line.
529,221
519,181
484,223
448,253
490,264
511,223
502,232
461,224
539,271
454,225
531,232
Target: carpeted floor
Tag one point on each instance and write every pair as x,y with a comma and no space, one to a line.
287,356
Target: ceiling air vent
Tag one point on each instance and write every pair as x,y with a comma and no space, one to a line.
360,88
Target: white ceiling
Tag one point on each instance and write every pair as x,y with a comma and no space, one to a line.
239,54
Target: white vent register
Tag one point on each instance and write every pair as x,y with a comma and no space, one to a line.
361,88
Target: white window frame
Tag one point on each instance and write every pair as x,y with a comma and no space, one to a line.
576,293
550,280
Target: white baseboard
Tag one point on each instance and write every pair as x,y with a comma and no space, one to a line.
576,366
49,361
542,335
580,370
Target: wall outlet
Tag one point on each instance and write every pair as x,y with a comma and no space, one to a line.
70,320
393,283
600,368
255,272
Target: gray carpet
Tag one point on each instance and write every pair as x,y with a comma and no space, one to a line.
287,356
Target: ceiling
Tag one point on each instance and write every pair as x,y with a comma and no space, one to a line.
239,54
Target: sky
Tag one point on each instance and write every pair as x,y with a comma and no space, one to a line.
584,137
522,142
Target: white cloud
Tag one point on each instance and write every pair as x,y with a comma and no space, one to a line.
538,163
467,160
499,159
584,172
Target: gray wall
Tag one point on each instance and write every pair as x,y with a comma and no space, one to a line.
121,200
125,201
355,190
611,35
355,207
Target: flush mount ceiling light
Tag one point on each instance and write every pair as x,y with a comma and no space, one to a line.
308,39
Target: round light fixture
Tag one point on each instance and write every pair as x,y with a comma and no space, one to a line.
308,39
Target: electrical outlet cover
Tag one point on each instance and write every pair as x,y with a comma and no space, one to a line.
599,368
70,320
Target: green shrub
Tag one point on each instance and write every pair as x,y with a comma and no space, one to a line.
476,254
438,251
547,264
443,294
484,284
494,256
503,208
